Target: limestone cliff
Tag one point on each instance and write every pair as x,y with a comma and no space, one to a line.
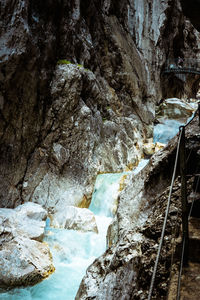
79,82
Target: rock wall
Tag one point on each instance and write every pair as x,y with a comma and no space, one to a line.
79,83
124,271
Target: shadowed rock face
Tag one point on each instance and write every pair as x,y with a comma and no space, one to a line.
34,141
28,51
79,81
191,10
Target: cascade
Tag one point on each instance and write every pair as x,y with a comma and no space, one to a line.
73,251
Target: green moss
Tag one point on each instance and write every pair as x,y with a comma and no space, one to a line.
63,62
67,62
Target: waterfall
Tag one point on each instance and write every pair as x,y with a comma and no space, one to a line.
73,251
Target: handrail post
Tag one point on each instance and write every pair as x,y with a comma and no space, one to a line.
184,202
199,112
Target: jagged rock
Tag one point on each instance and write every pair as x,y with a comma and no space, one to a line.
124,270
88,104
136,202
24,260
74,218
27,219
87,143
150,148
105,275
62,123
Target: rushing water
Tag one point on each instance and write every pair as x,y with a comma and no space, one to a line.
73,251
165,131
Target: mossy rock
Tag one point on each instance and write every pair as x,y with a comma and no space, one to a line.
63,62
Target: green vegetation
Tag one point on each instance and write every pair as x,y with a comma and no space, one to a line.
63,62
80,66
67,62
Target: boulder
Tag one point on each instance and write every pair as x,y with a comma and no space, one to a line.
24,260
174,108
150,148
26,219
75,218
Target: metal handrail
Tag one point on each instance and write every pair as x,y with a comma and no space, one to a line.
180,65
165,221
181,133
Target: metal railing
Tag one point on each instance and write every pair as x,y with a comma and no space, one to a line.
180,153
182,65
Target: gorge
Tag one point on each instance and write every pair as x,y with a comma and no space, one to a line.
79,85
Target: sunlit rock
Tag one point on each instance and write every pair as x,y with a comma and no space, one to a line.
105,276
24,260
86,140
27,219
76,218
159,146
149,149
175,108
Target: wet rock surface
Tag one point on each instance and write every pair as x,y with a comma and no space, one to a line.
81,142
176,109
140,218
24,260
74,218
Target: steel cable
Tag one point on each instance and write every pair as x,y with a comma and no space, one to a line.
165,219
166,215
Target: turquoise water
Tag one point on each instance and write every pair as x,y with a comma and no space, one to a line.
166,131
73,251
